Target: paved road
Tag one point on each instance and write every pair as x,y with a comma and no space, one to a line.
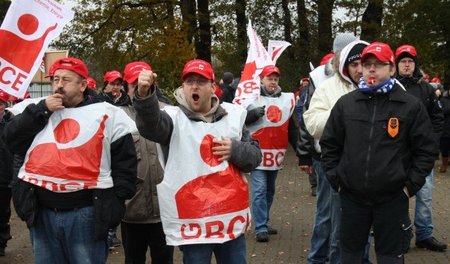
293,215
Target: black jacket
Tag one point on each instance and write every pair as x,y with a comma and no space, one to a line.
360,156
306,149
6,164
426,94
108,203
445,101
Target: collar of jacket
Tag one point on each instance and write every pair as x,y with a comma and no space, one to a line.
397,94
220,112
277,93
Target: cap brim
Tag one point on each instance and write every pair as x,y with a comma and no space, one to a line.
195,71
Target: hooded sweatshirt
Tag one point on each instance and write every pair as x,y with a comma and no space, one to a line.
208,117
327,94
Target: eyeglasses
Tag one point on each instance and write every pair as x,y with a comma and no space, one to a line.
199,81
377,64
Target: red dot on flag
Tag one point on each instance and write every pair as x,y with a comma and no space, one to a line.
28,24
206,151
66,131
274,114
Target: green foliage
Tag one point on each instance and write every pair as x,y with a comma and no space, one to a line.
110,33
423,24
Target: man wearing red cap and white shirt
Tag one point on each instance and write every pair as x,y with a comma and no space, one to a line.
6,173
377,152
79,168
203,197
273,126
410,77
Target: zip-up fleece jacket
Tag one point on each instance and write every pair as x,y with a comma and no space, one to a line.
366,162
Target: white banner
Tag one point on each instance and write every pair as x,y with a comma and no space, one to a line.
258,57
27,30
275,48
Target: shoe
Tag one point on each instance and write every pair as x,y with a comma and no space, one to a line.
431,244
2,251
114,242
262,237
313,191
271,230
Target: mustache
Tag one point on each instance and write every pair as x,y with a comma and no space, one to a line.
60,90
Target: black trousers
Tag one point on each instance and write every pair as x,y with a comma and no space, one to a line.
5,214
390,222
137,238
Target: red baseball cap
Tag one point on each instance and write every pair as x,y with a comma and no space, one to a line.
326,58
111,76
269,69
380,50
436,80
4,96
91,83
406,49
200,67
51,71
132,70
71,64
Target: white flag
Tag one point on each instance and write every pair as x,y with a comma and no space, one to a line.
257,58
27,30
275,48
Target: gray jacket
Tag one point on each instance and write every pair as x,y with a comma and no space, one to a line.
143,208
157,125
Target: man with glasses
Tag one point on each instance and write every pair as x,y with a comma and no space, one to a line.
79,168
410,77
377,152
203,197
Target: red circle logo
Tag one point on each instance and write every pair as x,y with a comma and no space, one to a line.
206,151
27,24
66,131
274,114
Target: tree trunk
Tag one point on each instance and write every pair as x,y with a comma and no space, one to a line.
302,52
287,26
241,25
371,20
203,44
189,18
325,13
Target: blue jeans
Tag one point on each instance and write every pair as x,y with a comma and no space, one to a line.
230,252
423,215
263,191
324,240
66,237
